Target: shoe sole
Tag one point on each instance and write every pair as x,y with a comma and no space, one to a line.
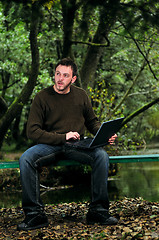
33,228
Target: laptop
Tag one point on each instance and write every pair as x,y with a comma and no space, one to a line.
106,130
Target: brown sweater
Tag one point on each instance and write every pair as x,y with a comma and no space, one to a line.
52,115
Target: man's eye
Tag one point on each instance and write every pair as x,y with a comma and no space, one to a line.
66,75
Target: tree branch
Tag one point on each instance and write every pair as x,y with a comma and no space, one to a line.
140,110
137,45
143,93
91,43
10,85
130,88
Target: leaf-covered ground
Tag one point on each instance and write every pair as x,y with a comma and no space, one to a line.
138,219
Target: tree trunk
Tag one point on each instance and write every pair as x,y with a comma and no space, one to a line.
19,102
68,12
3,106
107,20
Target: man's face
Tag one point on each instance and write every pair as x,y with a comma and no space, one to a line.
63,79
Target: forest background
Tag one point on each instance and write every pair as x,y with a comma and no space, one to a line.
115,44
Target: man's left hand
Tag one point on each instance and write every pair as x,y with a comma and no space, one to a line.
112,139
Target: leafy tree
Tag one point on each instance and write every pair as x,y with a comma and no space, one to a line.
114,43
19,102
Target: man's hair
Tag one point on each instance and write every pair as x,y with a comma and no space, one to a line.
68,62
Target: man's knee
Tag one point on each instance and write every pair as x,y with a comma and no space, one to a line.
102,156
102,153
26,159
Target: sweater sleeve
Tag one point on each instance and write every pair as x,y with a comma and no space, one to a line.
35,123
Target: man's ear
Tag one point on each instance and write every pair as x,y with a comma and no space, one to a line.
74,79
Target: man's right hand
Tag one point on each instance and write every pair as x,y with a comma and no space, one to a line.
72,135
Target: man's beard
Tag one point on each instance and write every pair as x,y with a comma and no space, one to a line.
63,89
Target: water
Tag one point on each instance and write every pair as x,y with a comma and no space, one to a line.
138,180
132,180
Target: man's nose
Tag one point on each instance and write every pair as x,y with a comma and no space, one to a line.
61,76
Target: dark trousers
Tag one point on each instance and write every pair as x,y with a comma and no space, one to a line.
42,155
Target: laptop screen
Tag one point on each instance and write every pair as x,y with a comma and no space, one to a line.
106,130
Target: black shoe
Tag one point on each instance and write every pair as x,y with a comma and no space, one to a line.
33,222
101,217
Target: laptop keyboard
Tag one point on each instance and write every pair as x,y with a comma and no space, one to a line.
84,143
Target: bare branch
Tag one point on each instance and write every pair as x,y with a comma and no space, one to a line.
143,93
10,85
91,44
130,88
137,45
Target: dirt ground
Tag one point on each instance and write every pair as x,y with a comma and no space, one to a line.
138,219
12,156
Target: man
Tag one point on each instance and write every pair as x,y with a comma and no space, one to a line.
60,113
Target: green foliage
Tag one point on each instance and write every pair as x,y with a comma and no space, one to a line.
153,120
102,102
132,37
14,50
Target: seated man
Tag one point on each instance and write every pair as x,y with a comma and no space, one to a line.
60,113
